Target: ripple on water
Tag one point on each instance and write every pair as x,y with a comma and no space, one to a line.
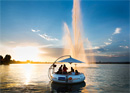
102,79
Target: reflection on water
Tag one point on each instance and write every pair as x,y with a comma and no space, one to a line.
28,69
67,88
34,78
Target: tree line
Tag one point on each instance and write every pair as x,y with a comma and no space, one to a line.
5,60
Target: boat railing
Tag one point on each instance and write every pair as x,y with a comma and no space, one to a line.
68,74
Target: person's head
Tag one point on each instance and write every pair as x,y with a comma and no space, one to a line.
76,71
72,70
60,67
64,65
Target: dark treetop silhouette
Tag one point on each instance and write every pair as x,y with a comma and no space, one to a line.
6,60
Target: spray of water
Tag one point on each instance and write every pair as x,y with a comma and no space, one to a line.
74,42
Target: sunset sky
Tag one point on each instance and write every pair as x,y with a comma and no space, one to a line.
33,29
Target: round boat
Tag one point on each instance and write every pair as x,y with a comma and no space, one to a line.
67,78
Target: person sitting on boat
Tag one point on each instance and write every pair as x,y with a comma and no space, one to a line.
76,72
72,71
60,70
65,69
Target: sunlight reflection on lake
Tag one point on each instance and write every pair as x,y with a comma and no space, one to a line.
34,78
28,69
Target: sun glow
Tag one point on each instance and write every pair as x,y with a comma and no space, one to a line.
26,53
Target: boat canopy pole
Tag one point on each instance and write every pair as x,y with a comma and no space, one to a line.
53,66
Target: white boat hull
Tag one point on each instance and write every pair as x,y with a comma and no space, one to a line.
68,79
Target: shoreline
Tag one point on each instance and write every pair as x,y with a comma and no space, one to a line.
60,63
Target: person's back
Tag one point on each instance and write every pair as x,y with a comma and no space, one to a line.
72,71
65,69
76,72
59,70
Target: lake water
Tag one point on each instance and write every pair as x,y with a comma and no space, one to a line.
33,78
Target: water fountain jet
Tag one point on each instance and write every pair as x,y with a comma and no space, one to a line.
74,45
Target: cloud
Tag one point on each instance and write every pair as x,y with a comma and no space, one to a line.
12,42
117,31
126,47
109,39
107,43
96,47
113,57
35,30
52,51
43,46
46,37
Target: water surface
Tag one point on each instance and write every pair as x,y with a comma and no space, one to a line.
105,78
